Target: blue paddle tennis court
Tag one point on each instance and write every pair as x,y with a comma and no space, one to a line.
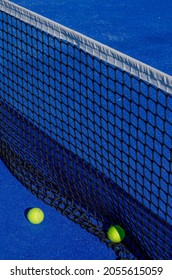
142,30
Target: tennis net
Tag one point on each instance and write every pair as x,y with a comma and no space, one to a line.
88,130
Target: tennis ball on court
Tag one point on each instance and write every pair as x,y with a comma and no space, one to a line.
116,233
35,216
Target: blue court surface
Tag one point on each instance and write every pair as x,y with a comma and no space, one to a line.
141,29
56,238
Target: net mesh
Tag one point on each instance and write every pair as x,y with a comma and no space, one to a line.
87,138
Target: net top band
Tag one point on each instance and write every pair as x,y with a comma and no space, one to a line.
93,47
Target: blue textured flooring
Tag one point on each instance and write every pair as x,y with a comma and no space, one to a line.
141,29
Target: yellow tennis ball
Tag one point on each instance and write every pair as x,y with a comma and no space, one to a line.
35,216
116,234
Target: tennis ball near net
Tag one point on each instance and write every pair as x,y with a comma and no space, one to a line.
116,233
35,215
